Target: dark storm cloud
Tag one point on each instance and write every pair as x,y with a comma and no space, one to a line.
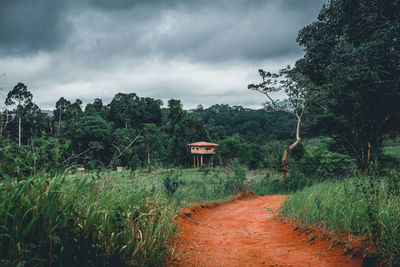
199,51
198,30
30,26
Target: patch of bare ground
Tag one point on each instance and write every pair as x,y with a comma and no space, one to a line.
246,232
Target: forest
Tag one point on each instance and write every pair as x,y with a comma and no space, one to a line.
332,146
130,131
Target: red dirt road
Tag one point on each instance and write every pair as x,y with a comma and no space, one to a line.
244,232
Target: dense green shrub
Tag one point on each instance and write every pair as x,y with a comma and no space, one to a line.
319,163
274,151
272,184
171,182
236,182
43,154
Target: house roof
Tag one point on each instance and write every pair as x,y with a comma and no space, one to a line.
202,144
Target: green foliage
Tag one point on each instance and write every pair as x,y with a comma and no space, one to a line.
93,134
171,182
131,111
99,133
274,151
229,149
236,183
19,96
44,154
254,126
322,164
82,220
352,53
271,184
364,206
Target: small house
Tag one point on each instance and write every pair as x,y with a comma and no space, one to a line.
203,153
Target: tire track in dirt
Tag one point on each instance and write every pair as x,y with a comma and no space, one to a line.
244,232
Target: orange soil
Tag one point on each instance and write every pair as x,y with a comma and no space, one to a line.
243,232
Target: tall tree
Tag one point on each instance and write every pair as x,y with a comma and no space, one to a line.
296,87
352,54
93,134
152,141
4,116
60,113
229,149
21,98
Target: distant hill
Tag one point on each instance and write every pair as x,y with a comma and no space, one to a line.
48,112
286,104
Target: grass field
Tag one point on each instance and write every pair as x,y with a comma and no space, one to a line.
204,184
368,207
84,220
107,218
392,150
392,147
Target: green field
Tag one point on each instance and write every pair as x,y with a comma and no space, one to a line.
107,218
367,207
392,150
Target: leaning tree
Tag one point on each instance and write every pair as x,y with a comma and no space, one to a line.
295,86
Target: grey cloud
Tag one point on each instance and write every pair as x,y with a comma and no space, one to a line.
196,30
30,26
200,51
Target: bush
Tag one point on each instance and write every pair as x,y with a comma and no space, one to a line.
45,154
322,164
236,182
296,181
171,182
272,184
274,151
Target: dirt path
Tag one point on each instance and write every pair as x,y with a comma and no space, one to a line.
244,232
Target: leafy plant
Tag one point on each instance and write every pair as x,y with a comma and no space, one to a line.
171,182
321,163
236,182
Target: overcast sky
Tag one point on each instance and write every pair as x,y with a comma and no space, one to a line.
199,51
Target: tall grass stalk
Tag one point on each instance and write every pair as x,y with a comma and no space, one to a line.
367,207
83,221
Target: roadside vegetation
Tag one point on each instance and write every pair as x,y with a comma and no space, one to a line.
83,220
367,207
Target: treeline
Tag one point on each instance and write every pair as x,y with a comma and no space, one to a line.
130,131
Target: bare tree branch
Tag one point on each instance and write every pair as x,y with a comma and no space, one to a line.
128,146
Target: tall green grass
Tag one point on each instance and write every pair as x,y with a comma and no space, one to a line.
87,220
367,207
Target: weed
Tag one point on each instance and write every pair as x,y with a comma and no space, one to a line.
363,206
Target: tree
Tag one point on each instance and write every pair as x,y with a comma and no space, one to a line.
352,54
229,149
4,116
124,153
131,111
175,114
60,113
21,97
152,141
296,87
93,134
